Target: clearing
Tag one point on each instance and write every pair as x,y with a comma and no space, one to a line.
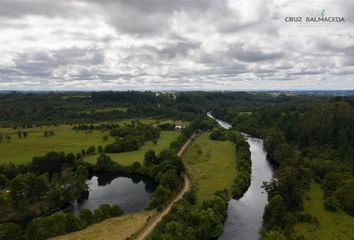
126,158
211,165
332,225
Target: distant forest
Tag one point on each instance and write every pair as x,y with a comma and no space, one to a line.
27,109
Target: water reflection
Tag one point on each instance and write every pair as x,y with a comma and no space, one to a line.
244,216
131,192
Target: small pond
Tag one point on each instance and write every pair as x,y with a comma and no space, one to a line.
131,192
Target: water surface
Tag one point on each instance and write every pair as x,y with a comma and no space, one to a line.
244,216
130,192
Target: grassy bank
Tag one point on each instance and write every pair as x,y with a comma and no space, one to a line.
211,165
118,228
331,225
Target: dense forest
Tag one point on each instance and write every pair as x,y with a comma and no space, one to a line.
307,141
28,109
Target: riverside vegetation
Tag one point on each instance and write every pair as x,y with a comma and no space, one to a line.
308,137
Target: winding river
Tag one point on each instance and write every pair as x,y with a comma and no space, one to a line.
244,216
131,192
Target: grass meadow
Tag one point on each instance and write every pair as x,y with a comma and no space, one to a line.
211,165
331,225
118,228
22,150
126,158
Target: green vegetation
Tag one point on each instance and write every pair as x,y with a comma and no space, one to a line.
126,158
60,223
189,221
308,138
117,228
244,163
305,140
22,150
329,225
211,165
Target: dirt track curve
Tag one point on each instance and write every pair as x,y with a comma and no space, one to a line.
187,185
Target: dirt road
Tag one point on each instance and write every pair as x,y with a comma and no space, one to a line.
187,185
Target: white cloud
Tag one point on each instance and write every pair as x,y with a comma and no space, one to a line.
168,44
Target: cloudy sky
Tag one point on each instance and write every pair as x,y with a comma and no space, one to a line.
174,45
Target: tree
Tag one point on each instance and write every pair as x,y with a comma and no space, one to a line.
51,163
10,231
27,188
104,163
3,181
86,217
70,159
170,180
116,211
91,150
25,134
217,134
159,197
274,217
150,158
102,212
100,149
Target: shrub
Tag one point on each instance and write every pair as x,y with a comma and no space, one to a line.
10,231
331,203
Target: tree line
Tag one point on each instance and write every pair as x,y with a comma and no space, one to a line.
307,141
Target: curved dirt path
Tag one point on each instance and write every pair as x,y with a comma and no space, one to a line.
187,186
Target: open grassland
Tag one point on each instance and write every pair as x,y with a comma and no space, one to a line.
126,158
22,150
211,165
118,228
332,225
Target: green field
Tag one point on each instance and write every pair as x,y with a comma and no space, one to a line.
118,228
332,225
211,165
166,137
22,150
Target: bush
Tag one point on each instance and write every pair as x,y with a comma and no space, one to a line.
10,231
159,198
218,134
50,226
86,217
331,203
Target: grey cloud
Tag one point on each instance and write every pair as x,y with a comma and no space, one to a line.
41,64
168,44
238,52
149,16
21,8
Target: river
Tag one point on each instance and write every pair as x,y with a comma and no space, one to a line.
131,192
244,216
